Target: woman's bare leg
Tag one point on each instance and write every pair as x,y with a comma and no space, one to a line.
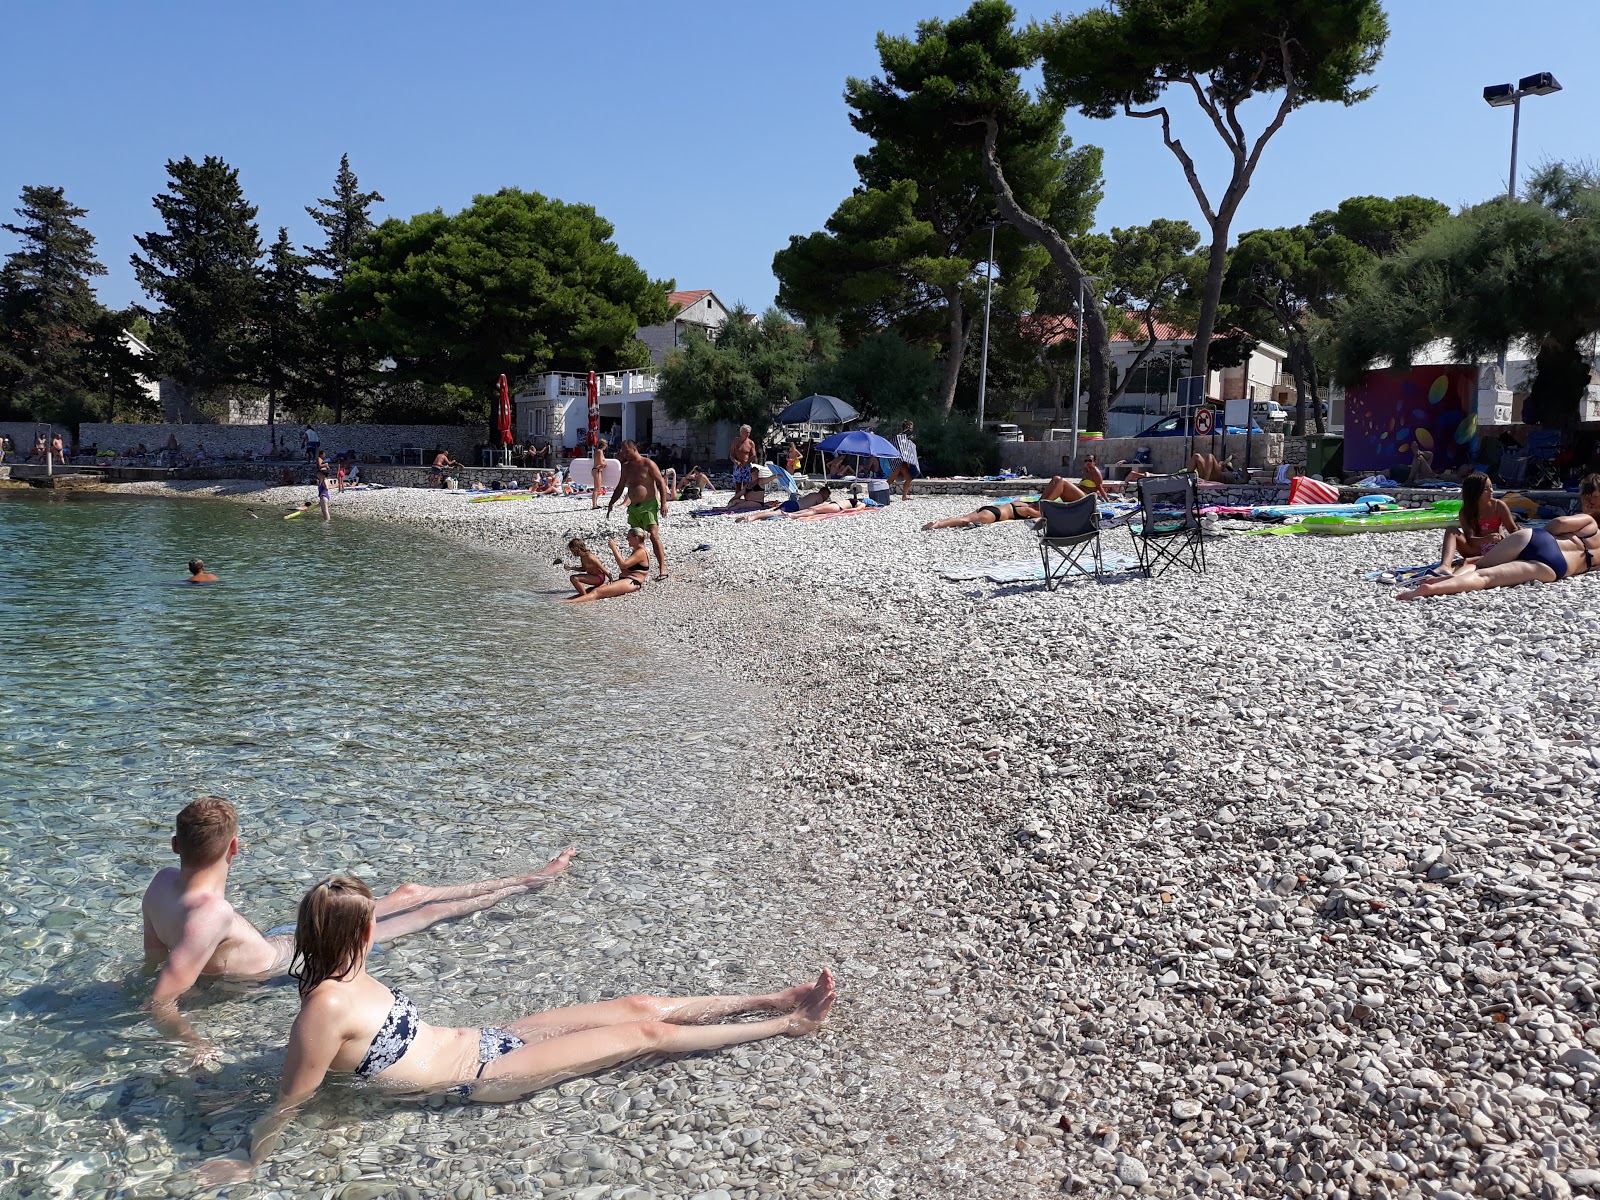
1062,489
547,1062
1476,579
413,919
410,895
617,587
675,1010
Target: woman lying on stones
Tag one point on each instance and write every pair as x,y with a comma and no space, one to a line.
1058,488
349,1022
1566,546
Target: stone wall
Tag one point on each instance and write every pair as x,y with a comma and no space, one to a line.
253,441
1166,453
22,433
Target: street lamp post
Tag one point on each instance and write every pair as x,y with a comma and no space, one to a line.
1077,372
1498,96
1501,94
988,292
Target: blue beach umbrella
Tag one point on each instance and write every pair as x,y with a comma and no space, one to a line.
859,441
818,410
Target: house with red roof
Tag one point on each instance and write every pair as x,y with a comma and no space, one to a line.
699,310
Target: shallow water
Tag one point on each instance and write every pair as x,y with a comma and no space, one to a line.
373,700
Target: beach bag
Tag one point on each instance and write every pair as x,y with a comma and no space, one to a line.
1305,490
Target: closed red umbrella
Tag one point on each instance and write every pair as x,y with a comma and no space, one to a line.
594,409
503,415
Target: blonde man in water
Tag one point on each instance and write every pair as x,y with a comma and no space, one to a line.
191,930
350,1023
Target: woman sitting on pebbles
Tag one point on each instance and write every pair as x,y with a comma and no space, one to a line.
632,572
1567,546
349,1022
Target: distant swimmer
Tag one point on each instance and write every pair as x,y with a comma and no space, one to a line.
191,930
199,574
350,1023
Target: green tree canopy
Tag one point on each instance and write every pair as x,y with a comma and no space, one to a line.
961,80
747,375
884,376
335,367
1132,56
50,319
1150,274
286,341
203,274
515,284
1507,272
905,251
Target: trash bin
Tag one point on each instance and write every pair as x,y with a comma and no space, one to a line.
1324,454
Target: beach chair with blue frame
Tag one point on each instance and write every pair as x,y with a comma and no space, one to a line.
1067,531
1168,528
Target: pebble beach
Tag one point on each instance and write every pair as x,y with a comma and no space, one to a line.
1250,883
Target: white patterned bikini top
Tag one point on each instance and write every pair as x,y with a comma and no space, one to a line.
393,1039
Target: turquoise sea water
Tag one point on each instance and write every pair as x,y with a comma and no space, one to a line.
372,699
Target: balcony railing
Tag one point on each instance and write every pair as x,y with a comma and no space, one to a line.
556,384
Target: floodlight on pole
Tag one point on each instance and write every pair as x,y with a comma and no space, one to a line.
1500,95
988,292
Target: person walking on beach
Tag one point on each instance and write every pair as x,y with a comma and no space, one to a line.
598,464
743,452
198,572
191,930
312,441
908,469
349,1023
646,489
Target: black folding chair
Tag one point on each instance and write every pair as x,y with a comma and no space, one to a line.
1168,531
1066,531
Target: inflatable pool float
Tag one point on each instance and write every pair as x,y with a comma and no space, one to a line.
1439,515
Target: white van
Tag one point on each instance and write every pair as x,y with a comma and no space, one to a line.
1262,411
1004,431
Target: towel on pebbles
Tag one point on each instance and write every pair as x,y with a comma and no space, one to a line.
1021,570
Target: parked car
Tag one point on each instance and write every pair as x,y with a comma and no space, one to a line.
1131,414
1004,431
1267,410
1179,425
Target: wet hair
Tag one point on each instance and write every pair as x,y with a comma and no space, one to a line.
196,566
204,829
1473,488
330,932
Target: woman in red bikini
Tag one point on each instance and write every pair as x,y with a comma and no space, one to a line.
1484,521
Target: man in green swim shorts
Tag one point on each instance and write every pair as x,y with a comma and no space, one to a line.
646,489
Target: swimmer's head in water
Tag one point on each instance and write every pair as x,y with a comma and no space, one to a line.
196,566
206,828
331,931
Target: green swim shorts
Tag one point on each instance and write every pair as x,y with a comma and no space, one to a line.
644,514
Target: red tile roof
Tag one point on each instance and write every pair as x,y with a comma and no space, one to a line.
683,300
1062,328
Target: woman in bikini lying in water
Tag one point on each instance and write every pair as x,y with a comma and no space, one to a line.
349,1022
1567,546
1013,510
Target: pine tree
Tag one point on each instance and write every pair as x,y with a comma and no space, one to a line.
337,365
203,274
48,310
284,340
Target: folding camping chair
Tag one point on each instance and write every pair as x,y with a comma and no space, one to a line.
1169,524
1066,530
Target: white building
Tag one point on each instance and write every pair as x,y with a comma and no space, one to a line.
555,408
1154,390
700,310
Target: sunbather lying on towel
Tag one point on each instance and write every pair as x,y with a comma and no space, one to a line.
818,503
1014,510
1526,556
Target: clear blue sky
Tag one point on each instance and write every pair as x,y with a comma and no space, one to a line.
707,133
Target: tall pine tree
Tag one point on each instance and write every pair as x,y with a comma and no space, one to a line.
338,367
285,337
203,274
49,315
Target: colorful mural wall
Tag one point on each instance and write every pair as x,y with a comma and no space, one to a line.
1394,413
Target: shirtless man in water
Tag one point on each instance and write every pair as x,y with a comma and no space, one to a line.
646,489
191,930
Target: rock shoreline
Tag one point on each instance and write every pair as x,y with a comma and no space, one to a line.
1253,883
